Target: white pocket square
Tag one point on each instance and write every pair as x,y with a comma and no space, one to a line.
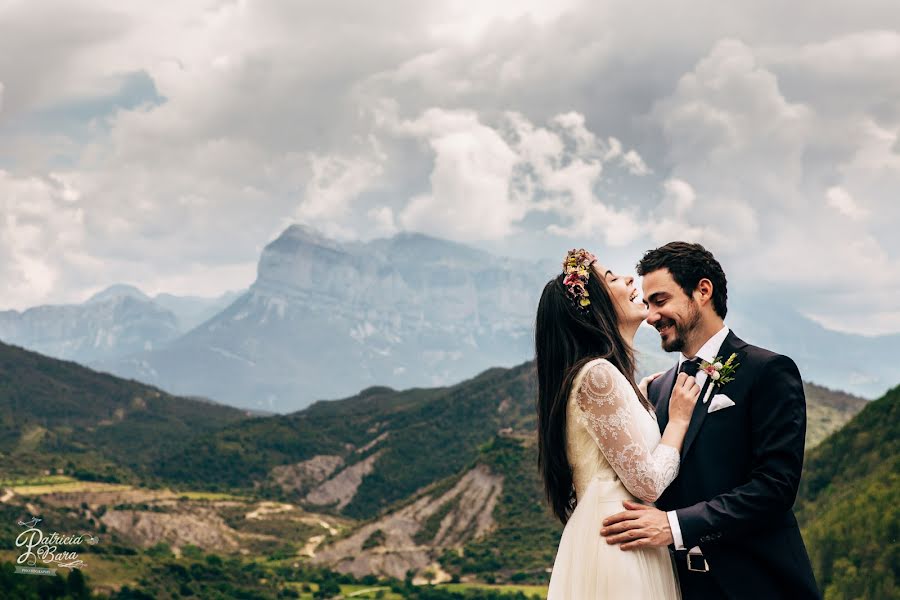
720,401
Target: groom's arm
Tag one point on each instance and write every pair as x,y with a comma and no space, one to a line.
778,431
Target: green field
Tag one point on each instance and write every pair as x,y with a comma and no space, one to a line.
528,590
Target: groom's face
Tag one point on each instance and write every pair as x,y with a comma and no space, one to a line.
673,313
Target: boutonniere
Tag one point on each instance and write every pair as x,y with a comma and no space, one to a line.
720,373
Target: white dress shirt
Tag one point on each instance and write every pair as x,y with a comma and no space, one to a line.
707,352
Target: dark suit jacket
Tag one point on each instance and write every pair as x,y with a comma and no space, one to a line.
740,470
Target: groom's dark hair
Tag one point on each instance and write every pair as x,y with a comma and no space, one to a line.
688,264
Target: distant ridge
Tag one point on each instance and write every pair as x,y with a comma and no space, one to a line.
118,291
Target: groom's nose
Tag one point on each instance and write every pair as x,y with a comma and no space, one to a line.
653,315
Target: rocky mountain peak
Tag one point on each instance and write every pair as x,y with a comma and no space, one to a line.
298,235
119,290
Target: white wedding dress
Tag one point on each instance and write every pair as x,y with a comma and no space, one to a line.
614,451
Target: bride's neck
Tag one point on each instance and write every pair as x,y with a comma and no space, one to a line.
628,331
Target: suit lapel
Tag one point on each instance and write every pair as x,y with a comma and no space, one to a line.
660,391
731,345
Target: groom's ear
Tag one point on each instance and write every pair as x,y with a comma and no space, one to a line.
703,292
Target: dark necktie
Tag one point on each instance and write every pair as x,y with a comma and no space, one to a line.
690,366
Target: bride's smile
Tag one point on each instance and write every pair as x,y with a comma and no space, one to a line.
630,310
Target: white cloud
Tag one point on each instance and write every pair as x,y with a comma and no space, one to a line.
335,182
505,172
42,223
635,164
843,202
564,168
729,123
615,149
574,125
843,75
750,156
465,22
681,196
671,217
384,223
471,176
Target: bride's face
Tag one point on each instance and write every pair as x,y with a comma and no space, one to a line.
626,299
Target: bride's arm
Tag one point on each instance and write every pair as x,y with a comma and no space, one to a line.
605,403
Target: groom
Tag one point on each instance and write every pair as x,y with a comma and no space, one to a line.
728,513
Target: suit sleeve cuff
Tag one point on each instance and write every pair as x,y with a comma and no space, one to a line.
676,530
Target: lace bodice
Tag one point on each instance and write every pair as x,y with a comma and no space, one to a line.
612,435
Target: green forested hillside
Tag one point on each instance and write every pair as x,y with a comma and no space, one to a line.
827,411
60,415
431,434
848,505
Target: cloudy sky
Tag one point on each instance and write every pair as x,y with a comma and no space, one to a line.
164,144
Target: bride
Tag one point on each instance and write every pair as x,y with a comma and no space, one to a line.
599,443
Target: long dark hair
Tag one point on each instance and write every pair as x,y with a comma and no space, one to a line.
566,338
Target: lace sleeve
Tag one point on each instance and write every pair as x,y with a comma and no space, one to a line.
605,402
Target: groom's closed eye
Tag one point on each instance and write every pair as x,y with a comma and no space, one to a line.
658,299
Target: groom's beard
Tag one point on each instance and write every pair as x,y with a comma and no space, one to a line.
682,330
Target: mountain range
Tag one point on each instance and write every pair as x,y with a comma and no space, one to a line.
118,321
325,319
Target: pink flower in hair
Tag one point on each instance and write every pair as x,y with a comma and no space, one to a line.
577,267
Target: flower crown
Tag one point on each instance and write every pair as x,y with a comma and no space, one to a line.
577,268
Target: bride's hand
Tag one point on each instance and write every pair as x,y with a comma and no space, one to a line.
684,397
645,383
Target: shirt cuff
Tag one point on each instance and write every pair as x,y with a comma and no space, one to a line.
676,530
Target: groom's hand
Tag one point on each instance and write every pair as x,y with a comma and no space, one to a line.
639,526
